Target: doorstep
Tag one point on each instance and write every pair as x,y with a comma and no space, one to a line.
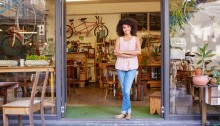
117,122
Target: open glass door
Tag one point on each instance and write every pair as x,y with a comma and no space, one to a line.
63,39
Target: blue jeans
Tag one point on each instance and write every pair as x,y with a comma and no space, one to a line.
126,79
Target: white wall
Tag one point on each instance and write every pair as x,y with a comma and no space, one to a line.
110,13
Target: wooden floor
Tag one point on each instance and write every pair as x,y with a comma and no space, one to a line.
91,95
182,102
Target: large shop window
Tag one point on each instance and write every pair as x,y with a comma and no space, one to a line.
27,45
194,45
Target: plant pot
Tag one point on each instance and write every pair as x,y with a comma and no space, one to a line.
213,80
200,80
37,62
198,72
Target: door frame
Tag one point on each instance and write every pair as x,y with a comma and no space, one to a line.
61,50
60,58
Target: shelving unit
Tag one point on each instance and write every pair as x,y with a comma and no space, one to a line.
154,75
153,65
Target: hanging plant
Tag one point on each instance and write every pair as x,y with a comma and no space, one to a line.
181,12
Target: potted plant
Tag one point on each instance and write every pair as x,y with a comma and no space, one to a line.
203,53
155,53
37,60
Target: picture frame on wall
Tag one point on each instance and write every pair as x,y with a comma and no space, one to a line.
155,21
141,18
91,53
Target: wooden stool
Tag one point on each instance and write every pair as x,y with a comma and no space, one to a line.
155,103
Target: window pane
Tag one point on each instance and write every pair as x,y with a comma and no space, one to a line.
27,44
193,24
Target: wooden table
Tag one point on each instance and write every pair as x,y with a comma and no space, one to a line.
34,69
4,86
203,104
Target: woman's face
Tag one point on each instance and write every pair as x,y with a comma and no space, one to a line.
126,29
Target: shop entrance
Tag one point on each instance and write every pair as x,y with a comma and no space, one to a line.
89,56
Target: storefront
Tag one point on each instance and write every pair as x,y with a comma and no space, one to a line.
169,46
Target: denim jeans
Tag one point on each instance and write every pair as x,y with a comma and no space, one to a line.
126,79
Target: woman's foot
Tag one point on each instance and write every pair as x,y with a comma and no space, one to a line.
119,116
128,116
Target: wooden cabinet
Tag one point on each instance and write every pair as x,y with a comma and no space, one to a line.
81,59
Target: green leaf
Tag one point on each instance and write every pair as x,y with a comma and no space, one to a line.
205,47
211,55
199,62
198,54
207,53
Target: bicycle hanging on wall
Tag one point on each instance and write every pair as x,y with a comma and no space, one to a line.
25,16
13,46
86,27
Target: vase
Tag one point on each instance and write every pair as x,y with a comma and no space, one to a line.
200,80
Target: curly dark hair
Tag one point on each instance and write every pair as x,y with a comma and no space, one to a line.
127,21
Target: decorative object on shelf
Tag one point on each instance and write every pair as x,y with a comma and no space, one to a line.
155,53
203,54
8,63
91,53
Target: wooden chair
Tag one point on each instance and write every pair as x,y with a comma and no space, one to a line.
140,84
29,106
108,82
71,79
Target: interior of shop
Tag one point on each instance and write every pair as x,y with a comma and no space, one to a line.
92,87
91,55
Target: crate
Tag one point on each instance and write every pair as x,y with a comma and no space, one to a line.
212,95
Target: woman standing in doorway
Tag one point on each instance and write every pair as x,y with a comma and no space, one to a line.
126,49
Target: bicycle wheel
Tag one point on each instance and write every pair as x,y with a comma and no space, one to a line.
16,52
26,19
99,29
69,31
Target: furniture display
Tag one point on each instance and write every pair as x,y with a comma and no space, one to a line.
155,103
80,66
71,78
99,70
28,107
16,69
4,86
154,75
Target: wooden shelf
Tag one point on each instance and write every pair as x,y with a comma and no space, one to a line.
154,65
